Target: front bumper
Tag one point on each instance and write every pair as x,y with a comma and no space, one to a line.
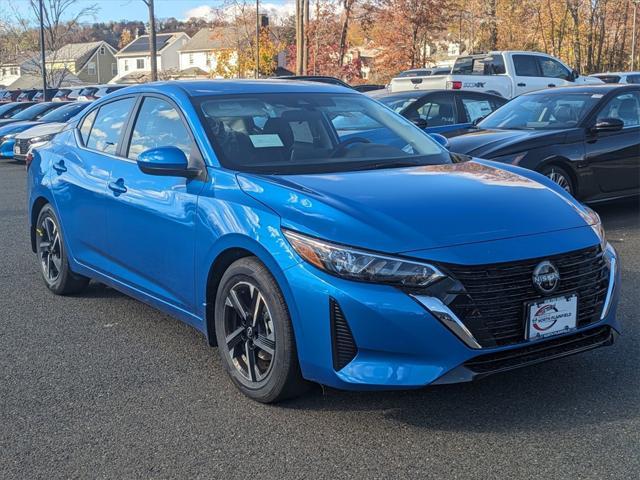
6,149
401,344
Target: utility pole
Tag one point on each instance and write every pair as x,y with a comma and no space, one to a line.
42,54
257,38
633,36
152,40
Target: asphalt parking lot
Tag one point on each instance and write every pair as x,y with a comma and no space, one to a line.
102,386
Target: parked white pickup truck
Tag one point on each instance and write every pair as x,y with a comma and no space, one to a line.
507,74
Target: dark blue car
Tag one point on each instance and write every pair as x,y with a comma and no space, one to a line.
306,253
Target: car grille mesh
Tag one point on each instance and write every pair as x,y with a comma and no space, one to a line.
343,344
493,308
23,145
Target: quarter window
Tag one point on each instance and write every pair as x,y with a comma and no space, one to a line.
625,107
159,125
85,128
526,65
108,126
633,79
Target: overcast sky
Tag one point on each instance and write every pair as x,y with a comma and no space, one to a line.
137,10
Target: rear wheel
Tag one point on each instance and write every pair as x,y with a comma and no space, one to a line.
255,335
560,176
54,264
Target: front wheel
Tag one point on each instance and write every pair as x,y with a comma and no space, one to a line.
254,333
54,263
560,176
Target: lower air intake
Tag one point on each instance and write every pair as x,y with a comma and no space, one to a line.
342,342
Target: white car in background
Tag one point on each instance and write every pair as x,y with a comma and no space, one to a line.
507,73
34,137
618,77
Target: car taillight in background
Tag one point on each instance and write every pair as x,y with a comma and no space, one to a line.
454,85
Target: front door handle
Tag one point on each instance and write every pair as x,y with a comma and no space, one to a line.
551,85
118,187
59,167
522,84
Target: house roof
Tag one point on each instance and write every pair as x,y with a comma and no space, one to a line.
19,59
30,80
77,52
212,39
141,44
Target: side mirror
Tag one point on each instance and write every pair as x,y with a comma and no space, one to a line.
419,122
441,139
608,125
167,161
478,120
574,75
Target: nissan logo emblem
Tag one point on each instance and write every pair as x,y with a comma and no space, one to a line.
546,277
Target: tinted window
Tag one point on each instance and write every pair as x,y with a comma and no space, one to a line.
525,65
87,123
34,112
109,124
64,113
475,108
6,111
624,107
398,103
415,73
491,65
542,112
438,111
633,78
298,133
159,125
553,69
609,78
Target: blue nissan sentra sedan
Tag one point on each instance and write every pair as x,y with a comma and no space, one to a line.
308,254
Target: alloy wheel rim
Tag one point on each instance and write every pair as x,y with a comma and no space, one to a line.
49,249
560,179
249,332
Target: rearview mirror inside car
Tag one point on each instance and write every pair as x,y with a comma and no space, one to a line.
167,161
608,125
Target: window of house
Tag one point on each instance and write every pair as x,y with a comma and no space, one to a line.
91,68
114,69
108,125
191,59
140,63
102,50
126,65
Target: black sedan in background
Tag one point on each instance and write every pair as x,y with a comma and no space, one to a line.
441,111
586,139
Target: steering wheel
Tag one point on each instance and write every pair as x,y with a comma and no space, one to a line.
342,146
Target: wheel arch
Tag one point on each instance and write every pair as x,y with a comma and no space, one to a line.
563,163
36,207
230,250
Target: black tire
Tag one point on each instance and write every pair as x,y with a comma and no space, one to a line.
560,176
54,264
273,376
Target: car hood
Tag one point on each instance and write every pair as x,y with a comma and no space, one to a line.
494,143
41,129
16,127
416,208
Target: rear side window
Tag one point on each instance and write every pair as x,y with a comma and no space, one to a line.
108,126
159,125
475,108
633,79
526,65
438,111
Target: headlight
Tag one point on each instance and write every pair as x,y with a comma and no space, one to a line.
596,224
359,265
9,136
41,139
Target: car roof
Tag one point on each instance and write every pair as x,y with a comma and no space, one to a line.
405,94
198,88
602,89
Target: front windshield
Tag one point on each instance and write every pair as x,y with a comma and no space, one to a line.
312,132
542,112
64,113
34,112
398,103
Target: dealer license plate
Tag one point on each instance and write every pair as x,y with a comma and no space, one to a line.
552,316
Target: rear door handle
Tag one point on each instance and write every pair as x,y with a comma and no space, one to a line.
117,187
522,84
59,167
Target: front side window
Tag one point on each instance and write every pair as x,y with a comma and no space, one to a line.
108,126
633,79
438,111
553,69
542,111
475,108
623,107
526,65
312,132
159,125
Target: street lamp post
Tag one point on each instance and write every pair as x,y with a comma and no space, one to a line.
152,40
42,54
257,38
